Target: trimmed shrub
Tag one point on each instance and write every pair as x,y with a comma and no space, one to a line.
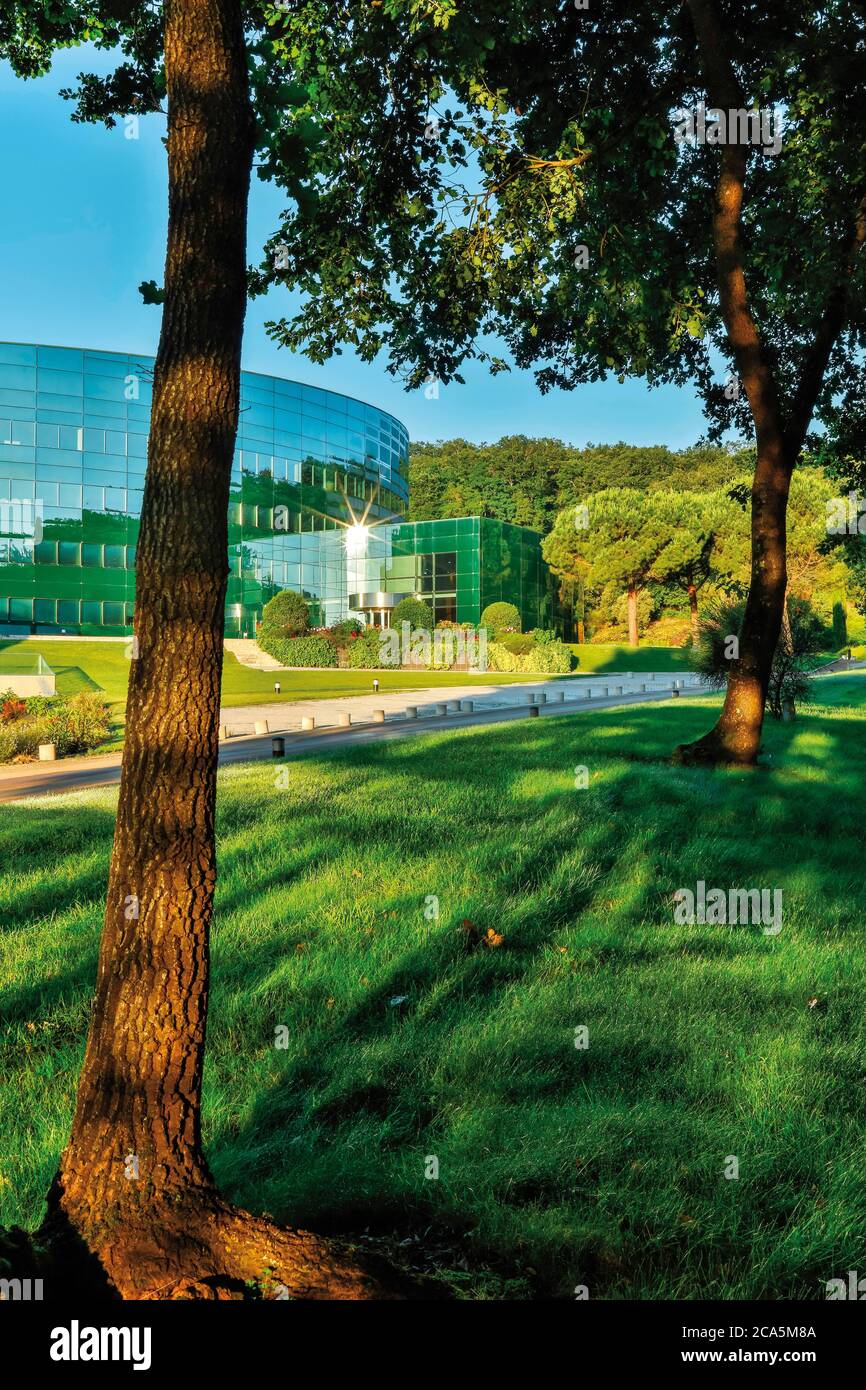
554,659
518,643
840,626
368,652
287,614
543,636
414,612
502,617
302,651
8,744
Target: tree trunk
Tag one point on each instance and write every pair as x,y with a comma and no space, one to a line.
693,613
786,634
632,616
736,737
779,435
133,1180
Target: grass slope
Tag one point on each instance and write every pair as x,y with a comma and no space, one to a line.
557,1166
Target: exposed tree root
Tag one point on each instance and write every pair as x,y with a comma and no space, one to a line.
199,1249
713,751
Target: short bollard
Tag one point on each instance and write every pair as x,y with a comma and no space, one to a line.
262,726
558,696
47,752
308,721
378,716
441,709
533,711
541,698
344,721
617,690
411,711
467,706
454,706
224,732
788,711
674,693
644,688
278,747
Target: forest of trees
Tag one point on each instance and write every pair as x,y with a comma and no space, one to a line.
666,530
526,481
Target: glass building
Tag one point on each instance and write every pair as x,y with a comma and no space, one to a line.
73,450
458,567
309,466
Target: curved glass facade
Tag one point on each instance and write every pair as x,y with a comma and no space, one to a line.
73,450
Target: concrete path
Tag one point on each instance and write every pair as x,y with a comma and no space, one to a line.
491,705
287,716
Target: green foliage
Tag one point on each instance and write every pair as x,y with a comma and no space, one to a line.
478,234
794,660
286,615
553,658
840,626
501,617
520,643
76,725
527,481
301,651
349,627
414,612
372,651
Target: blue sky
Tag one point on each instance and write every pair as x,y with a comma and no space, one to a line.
84,223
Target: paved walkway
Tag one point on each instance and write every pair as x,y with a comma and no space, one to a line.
493,704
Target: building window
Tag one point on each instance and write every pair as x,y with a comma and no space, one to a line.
67,612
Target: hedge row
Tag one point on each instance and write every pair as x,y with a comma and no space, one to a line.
301,651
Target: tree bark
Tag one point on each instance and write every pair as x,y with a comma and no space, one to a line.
632,616
134,1184
693,613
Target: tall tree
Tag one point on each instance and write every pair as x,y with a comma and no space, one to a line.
528,186
701,529
616,537
134,1189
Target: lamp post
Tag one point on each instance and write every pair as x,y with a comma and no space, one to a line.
277,687
376,684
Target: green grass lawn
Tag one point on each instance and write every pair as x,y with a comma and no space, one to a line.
557,1166
88,665
613,656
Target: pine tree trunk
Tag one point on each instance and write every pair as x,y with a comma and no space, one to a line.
693,613
133,1180
632,616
